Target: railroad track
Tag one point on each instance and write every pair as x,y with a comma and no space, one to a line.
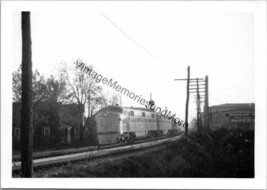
57,160
47,154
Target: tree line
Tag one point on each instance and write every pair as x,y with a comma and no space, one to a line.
69,85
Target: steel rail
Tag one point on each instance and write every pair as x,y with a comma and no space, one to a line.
53,153
95,153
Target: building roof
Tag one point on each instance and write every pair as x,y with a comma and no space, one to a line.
139,108
234,106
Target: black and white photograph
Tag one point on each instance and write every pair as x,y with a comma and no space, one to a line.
133,94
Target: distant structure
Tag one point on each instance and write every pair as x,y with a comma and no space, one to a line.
232,116
53,123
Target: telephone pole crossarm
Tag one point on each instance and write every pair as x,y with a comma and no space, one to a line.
191,79
199,86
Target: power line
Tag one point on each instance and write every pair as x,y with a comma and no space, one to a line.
138,44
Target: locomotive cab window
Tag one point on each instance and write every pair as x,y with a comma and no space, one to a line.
152,115
143,114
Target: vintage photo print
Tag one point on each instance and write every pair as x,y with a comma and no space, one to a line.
133,94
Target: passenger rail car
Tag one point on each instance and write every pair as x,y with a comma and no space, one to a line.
119,124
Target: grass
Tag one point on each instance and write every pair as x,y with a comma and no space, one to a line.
206,154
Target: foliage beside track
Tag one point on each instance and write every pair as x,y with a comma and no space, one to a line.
206,154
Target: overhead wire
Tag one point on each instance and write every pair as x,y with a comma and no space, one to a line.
139,45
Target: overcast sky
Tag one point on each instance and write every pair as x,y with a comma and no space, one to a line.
146,45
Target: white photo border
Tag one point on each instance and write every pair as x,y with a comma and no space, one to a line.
259,182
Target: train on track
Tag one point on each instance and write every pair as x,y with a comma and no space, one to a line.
116,124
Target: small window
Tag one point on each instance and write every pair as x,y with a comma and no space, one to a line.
153,115
131,113
17,133
143,114
47,132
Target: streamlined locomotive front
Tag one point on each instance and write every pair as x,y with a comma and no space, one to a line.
108,125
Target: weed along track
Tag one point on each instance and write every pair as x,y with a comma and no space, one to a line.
104,153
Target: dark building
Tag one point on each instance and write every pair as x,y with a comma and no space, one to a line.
69,123
232,116
53,123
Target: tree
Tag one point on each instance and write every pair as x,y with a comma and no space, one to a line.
38,86
16,85
26,98
47,96
56,89
106,99
93,97
103,99
114,99
44,90
82,89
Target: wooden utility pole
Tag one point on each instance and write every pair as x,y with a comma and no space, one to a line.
198,108
199,86
206,112
202,87
26,98
187,100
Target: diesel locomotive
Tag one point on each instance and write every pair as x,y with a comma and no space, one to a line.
116,124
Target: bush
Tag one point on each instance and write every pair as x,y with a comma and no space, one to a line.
205,154
220,153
